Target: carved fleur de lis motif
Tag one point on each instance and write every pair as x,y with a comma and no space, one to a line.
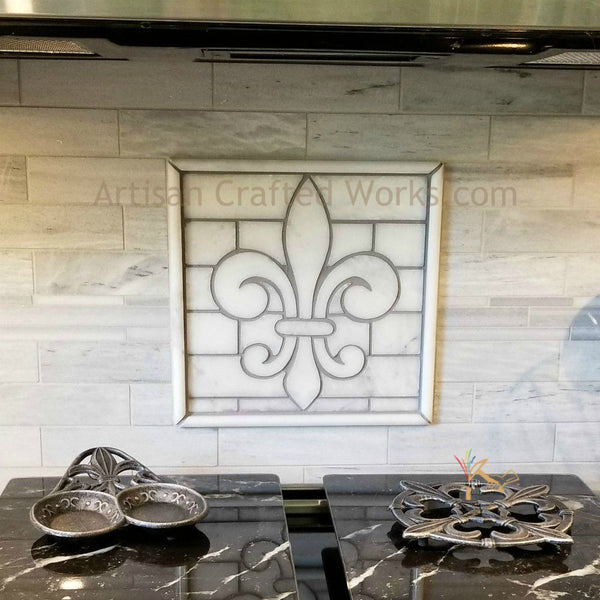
244,282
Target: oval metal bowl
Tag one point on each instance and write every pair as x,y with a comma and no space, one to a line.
77,514
161,505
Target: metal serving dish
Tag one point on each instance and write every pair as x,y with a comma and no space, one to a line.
77,514
161,505
92,500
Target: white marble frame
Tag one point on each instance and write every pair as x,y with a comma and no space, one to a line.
177,168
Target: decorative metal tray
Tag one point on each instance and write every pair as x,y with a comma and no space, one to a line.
460,513
91,499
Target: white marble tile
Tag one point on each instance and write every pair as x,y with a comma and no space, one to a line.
542,231
411,290
532,301
302,446
145,229
349,238
18,362
489,91
520,138
393,405
306,87
461,229
16,273
9,82
523,401
61,227
66,333
133,84
211,134
586,192
13,179
101,273
382,376
101,181
148,334
558,317
213,405
77,404
266,196
577,441
503,334
15,300
439,443
222,376
58,131
508,185
411,137
211,333
483,317
267,405
403,244
264,236
207,243
20,447
374,197
397,334
497,361
104,362
151,404
453,402
462,302
147,300
238,196
582,275
65,300
70,317
197,287
580,361
178,446
591,105
502,274
339,405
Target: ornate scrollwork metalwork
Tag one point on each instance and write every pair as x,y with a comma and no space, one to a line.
244,281
441,513
104,471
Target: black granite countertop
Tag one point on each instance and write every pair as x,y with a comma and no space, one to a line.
241,550
380,565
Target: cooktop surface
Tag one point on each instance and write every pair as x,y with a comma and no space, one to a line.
240,550
380,565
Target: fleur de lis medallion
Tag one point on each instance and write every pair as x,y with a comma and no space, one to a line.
244,281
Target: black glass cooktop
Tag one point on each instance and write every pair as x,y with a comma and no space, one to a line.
241,550
380,565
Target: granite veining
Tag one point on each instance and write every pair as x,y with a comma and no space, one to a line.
380,564
241,549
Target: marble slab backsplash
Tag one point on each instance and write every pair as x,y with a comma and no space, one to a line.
84,301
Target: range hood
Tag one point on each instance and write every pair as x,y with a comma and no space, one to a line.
517,33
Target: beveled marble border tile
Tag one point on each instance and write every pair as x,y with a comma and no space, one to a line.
178,172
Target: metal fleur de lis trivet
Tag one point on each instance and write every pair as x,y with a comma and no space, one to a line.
440,512
244,281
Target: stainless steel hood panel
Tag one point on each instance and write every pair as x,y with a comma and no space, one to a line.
416,32
488,14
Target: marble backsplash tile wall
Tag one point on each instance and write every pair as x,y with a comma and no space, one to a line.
84,329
